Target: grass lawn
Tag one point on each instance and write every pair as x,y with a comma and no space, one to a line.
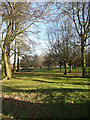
43,94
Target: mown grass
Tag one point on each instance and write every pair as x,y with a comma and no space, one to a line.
46,94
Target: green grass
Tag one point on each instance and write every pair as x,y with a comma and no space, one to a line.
77,70
46,94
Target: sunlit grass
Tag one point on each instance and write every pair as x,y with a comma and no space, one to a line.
49,93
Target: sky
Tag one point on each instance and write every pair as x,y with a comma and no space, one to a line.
41,39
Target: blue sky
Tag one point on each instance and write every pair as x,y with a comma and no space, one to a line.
40,38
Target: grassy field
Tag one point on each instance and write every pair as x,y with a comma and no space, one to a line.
46,94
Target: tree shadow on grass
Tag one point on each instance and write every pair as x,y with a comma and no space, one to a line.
68,76
27,74
71,75
44,81
80,83
24,109
47,108
45,74
10,89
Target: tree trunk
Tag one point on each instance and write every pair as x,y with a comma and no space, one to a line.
60,65
70,68
74,66
48,67
14,67
18,64
3,61
8,67
18,58
7,60
84,74
6,64
3,66
6,54
66,69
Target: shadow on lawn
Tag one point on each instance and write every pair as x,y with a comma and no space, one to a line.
25,109
46,74
80,83
44,81
10,89
60,83
71,75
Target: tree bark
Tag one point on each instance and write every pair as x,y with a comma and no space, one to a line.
84,73
66,69
6,64
8,67
70,68
48,67
74,66
60,65
18,58
3,66
7,60
14,67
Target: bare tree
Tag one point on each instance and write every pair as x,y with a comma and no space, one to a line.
17,18
62,44
79,13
